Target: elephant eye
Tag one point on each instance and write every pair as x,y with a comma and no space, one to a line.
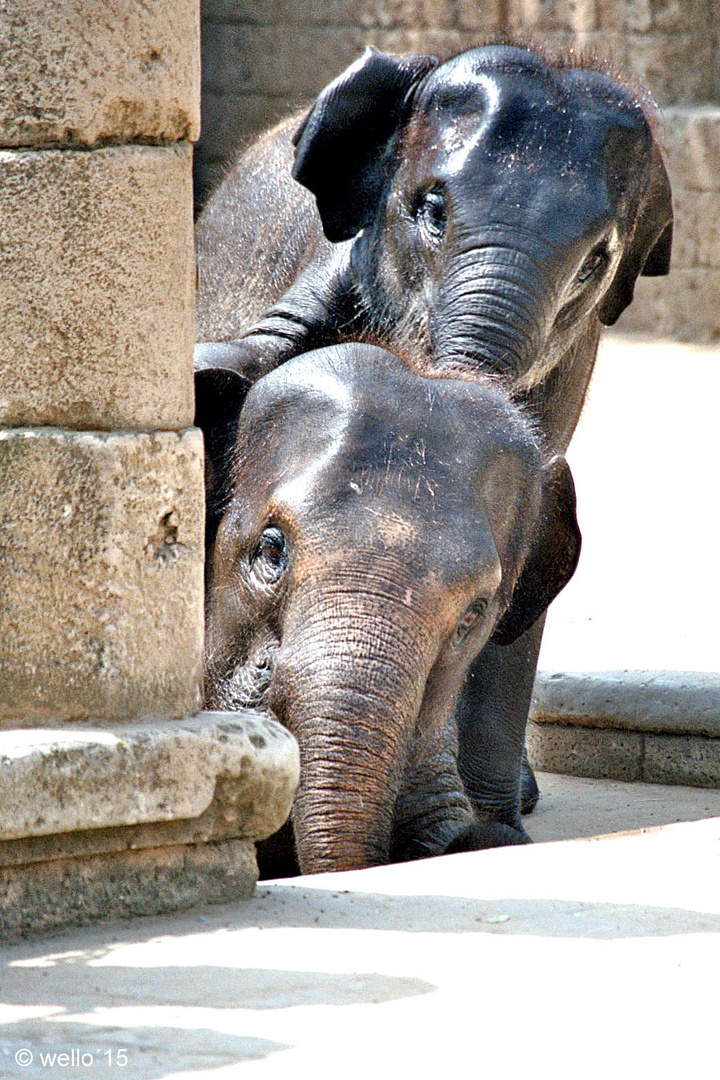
270,557
470,618
596,261
431,212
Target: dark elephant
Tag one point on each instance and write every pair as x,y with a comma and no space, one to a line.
361,553
487,215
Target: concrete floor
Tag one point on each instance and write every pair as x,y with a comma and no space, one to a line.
593,957
587,958
573,807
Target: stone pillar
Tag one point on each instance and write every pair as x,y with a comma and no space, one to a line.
102,498
101,504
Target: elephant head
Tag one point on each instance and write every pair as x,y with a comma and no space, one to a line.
498,205
369,531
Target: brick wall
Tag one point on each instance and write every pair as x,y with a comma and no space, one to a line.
263,58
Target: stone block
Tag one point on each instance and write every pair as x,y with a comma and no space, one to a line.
696,236
543,16
97,288
665,702
677,68
233,774
674,16
683,305
74,891
692,139
365,14
487,16
634,16
685,227
81,74
253,12
585,751
369,14
256,59
101,575
675,759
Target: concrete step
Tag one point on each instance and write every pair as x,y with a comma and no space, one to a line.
628,685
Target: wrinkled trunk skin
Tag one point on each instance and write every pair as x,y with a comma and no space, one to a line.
349,685
494,310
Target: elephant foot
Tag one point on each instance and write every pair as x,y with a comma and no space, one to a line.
486,834
276,856
529,790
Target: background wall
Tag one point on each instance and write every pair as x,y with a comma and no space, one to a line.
263,58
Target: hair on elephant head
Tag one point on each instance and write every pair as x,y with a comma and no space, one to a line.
490,212
371,530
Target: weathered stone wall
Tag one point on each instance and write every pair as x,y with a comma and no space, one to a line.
102,488
263,58
101,535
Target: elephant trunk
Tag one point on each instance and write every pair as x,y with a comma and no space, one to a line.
494,309
349,685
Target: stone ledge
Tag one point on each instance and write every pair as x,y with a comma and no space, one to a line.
659,727
663,702
234,774
610,754
70,892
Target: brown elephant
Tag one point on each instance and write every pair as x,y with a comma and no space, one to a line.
487,214
362,551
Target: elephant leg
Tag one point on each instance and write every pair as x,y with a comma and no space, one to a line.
276,856
529,790
492,716
432,811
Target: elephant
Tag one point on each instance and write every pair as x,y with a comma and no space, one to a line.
361,552
481,217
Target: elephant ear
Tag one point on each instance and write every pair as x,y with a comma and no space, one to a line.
650,247
344,146
553,556
219,396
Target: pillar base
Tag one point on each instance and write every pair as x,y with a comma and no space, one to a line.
137,819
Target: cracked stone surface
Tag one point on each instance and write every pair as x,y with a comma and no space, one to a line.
101,575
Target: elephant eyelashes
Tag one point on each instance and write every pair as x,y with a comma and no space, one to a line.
270,558
431,213
469,619
596,261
